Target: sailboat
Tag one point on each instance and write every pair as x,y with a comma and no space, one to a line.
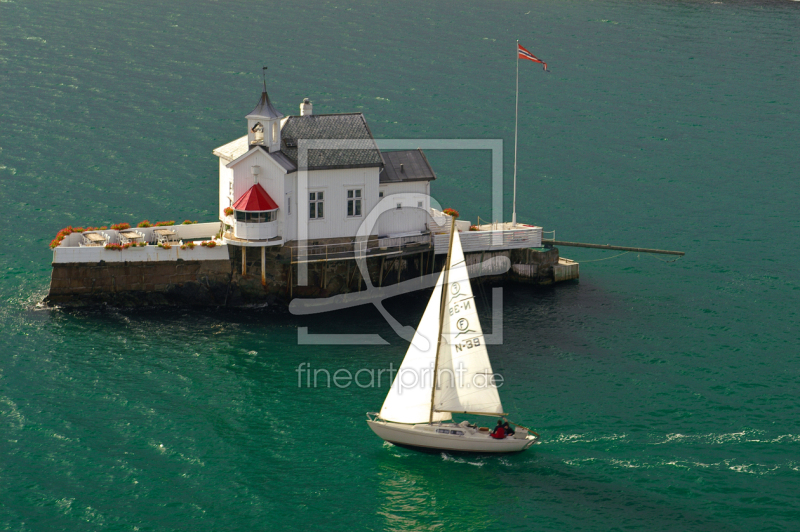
446,371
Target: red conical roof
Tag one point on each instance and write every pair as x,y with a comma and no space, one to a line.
255,199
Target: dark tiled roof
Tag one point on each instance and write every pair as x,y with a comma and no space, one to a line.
355,148
409,165
284,161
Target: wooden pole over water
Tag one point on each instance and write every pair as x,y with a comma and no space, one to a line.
606,246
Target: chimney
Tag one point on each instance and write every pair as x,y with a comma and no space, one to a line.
305,107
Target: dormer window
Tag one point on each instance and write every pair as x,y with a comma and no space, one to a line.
290,143
258,131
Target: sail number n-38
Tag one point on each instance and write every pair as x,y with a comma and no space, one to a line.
468,344
461,306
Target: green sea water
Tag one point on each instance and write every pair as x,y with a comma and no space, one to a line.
666,393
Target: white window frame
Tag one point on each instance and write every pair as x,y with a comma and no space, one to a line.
355,202
318,199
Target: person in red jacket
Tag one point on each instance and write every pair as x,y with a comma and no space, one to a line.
499,432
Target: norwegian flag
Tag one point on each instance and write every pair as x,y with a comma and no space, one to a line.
522,53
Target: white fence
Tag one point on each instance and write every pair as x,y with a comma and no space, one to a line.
350,250
70,251
471,241
149,253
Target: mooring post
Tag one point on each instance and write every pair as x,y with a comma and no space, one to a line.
400,268
244,261
263,262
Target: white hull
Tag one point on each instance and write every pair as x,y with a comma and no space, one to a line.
448,437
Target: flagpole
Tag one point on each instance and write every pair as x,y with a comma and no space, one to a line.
516,121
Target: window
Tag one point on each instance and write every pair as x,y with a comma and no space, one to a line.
354,202
263,217
275,132
256,217
230,188
316,202
380,194
399,205
289,205
419,204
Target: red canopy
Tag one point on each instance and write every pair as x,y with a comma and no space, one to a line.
255,199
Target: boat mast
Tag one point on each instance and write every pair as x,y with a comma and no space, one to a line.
516,121
442,307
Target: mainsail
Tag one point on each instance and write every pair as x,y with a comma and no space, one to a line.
409,399
465,381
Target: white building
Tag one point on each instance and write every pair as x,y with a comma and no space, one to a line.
314,177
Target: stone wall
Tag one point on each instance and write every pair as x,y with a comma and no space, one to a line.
140,283
221,282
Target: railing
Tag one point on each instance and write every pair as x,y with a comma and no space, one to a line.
199,231
349,250
471,241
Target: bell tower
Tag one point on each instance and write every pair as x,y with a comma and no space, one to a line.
264,124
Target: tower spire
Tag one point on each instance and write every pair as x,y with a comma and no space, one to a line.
264,74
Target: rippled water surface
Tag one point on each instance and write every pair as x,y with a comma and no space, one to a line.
666,393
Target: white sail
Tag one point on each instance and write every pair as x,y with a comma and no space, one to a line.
465,382
409,399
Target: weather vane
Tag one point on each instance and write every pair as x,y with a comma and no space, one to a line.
264,74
